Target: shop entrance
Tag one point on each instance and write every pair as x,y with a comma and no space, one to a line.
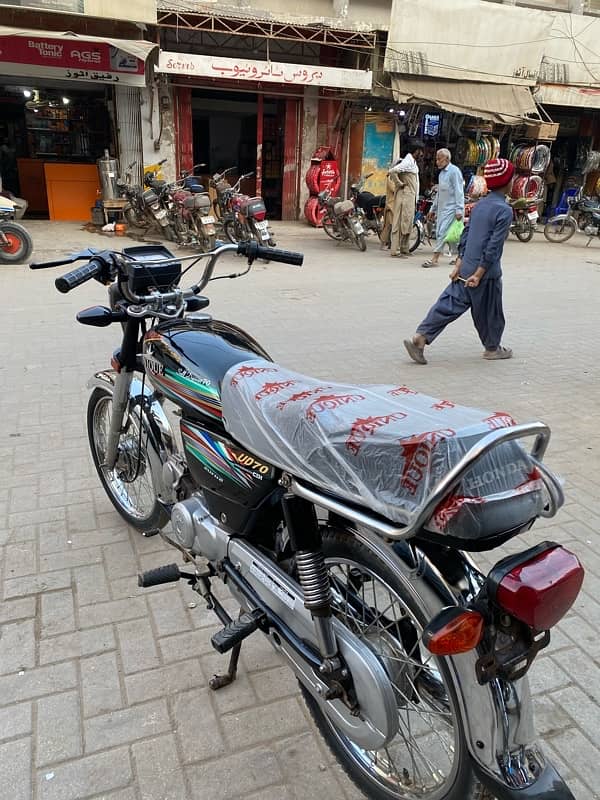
50,137
226,134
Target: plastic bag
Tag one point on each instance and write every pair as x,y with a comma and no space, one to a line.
454,232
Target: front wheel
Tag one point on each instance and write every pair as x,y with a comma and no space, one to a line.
560,229
16,245
361,241
524,229
428,758
129,484
416,237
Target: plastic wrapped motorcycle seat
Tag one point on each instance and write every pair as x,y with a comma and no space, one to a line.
252,206
383,447
344,207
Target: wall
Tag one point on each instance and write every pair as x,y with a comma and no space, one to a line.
115,10
151,130
346,14
309,137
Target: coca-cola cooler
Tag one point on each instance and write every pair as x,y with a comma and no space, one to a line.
323,173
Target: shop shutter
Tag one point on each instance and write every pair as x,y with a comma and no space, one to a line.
128,104
291,147
183,128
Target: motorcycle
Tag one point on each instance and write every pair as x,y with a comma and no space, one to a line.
135,210
244,217
342,220
158,205
525,217
191,212
411,660
372,206
582,215
16,244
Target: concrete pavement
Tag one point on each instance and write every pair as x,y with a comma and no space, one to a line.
103,687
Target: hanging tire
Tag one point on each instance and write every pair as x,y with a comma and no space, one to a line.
129,484
430,719
415,237
524,229
18,245
560,229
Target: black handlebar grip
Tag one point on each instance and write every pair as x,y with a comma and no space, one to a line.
284,256
168,574
78,276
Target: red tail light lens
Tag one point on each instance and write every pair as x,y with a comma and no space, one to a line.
259,215
539,586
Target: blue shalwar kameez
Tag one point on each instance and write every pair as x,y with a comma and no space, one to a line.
481,245
449,202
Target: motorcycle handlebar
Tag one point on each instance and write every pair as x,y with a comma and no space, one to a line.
65,260
254,250
78,276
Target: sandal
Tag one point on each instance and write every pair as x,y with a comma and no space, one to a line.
430,263
415,352
496,355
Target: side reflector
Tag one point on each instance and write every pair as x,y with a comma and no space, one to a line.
454,630
115,364
540,588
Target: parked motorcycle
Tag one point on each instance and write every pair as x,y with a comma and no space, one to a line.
582,215
224,191
412,660
372,205
525,217
157,203
191,214
16,245
342,220
135,211
244,217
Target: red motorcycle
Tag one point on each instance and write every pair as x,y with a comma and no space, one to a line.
244,217
193,221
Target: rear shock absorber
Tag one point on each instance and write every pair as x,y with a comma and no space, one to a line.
302,525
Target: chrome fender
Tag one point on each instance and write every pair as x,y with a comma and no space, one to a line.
161,442
497,717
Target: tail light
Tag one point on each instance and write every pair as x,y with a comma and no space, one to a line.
454,630
259,215
538,586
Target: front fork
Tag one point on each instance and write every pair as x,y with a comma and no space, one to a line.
120,402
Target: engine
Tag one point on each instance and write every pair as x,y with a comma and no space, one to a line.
196,531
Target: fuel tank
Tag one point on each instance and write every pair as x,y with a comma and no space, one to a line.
187,360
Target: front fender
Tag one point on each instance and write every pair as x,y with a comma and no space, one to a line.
160,440
497,717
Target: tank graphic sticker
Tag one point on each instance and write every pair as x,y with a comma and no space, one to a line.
189,390
217,458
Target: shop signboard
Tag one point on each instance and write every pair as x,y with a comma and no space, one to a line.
69,59
194,65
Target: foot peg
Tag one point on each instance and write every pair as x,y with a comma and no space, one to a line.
237,630
167,574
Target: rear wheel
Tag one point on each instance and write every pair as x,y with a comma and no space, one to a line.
16,244
428,758
331,230
129,484
560,229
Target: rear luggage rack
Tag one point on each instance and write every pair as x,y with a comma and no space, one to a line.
448,483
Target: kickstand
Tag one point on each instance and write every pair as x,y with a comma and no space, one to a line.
219,681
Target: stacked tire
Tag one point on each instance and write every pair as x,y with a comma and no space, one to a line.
323,173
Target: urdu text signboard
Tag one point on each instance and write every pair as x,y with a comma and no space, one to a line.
69,59
268,71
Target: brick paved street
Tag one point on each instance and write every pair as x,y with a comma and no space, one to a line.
103,687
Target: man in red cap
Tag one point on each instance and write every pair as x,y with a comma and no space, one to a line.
476,280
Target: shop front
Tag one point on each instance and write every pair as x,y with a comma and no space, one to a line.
253,115
59,112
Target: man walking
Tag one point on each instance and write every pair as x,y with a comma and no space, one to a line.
404,177
476,280
449,203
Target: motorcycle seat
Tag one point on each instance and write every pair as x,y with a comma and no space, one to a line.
383,447
343,207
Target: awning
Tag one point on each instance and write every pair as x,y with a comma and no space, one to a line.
510,105
574,96
68,56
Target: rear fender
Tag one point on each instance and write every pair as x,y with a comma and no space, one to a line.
161,442
497,717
